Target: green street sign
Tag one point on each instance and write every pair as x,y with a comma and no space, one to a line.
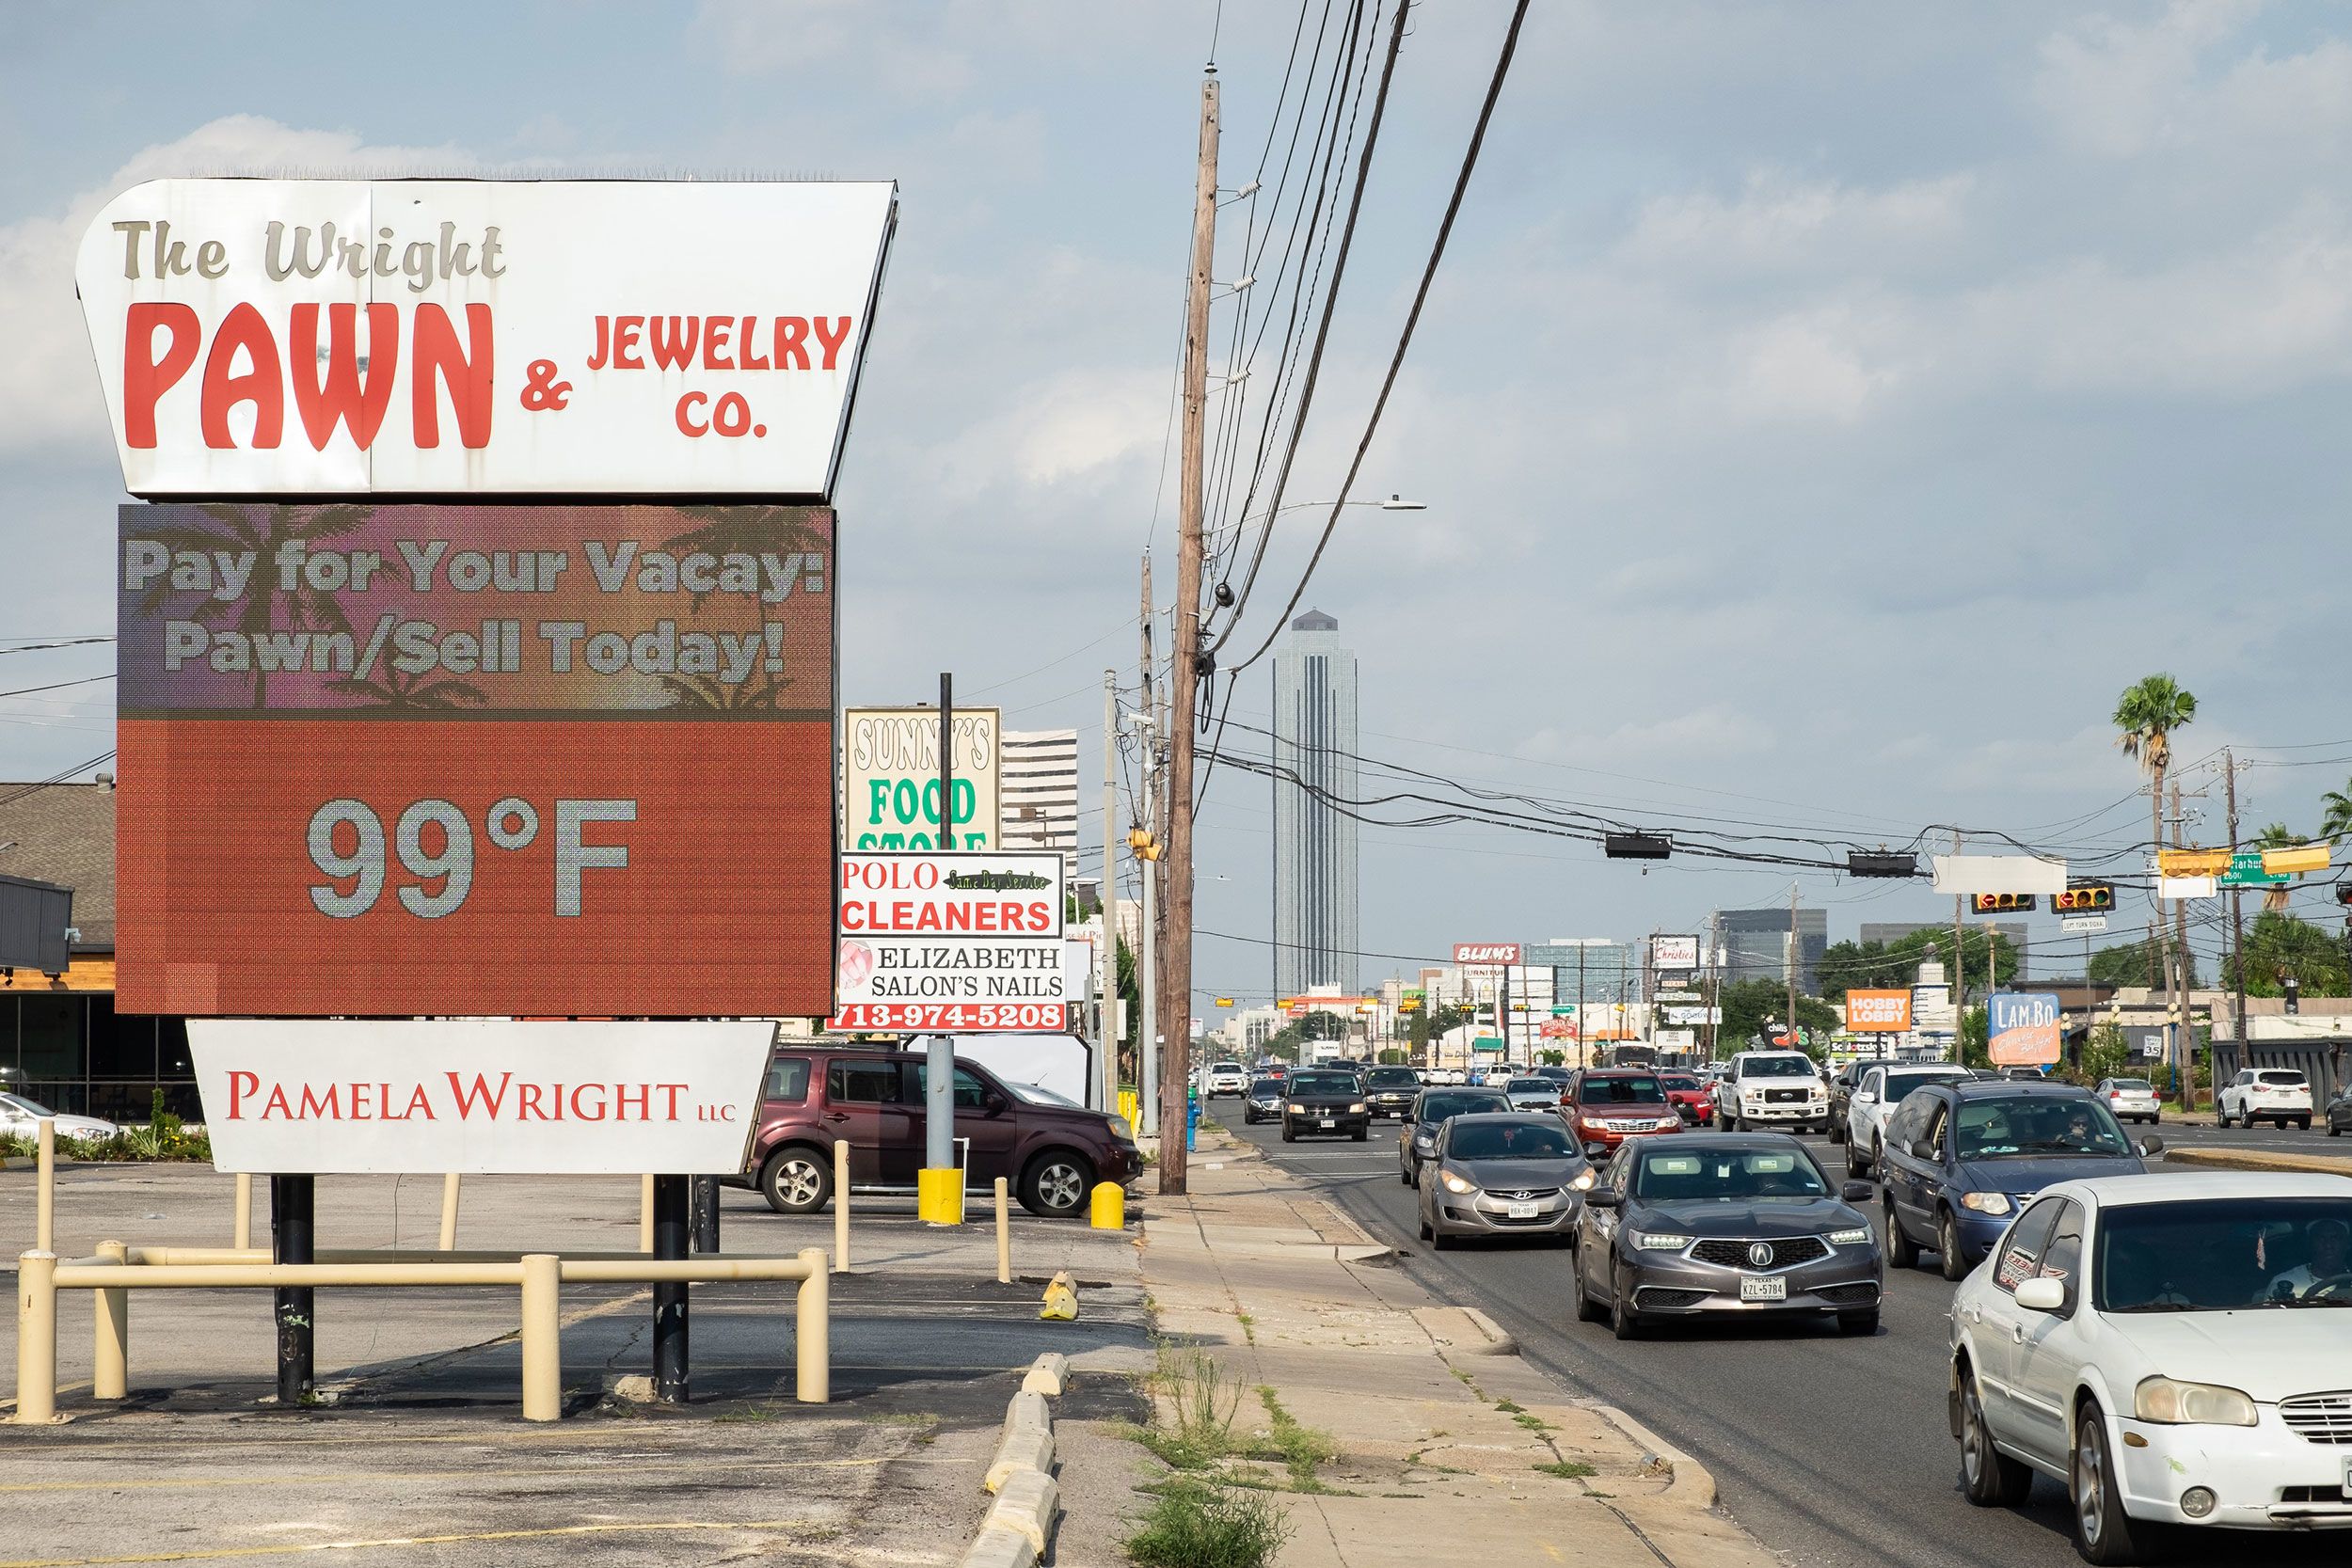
1569,1011
1487,1042
2245,870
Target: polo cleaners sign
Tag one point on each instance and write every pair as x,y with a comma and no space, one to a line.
480,1096
437,337
952,943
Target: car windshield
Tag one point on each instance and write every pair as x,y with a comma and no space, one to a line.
1037,1094
1322,1083
1225,1066
1676,1081
1620,1091
1510,1140
1436,1107
2225,1254
1777,1067
1265,1085
1394,1078
33,1108
1728,1176
1530,1085
2039,1126
1901,1083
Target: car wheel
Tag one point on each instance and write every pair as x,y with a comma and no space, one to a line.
1625,1323
1362,1133
1427,1234
1731,1123
1855,1169
2302,1124
2333,1131
1901,1251
1860,1325
1290,1134
1404,1176
1947,1247
1055,1184
1587,1310
796,1180
2102,1531
1988,1477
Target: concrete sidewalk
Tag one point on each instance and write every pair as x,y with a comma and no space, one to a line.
1450,1446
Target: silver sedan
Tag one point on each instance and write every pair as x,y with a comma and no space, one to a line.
1503,1174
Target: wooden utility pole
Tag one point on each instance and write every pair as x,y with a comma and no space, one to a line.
1107,995
1959,977
1147,875
2181,963
1184,651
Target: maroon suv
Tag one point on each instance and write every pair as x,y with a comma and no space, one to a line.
1051,1149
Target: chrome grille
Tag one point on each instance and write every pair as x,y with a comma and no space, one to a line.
2319,1417
1732,1253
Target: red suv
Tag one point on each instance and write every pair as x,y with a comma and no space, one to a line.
1608,1105
1052,1150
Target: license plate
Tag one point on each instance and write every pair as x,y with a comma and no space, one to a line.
1329,1122
1763,1290
1521,1210
2348,1475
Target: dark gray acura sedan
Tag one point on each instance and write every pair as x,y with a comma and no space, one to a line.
1692,1225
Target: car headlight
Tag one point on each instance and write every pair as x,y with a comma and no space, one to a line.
1667,1124
1850,1237
1457,1184
1424,1140
1585,1178
1657,1241
1356,1109
1985,1203
2160,1399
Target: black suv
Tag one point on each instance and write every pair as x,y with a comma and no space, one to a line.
1324,1100
1390,1090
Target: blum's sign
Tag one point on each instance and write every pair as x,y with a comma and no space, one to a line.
1487,954
453,337
1878,1011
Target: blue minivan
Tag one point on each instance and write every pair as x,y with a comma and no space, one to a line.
1962,1158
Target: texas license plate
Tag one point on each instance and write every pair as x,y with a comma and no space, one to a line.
2348,1475
1763,1290
1520,1210
1329,1122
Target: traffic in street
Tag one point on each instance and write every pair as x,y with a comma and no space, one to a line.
1833,1448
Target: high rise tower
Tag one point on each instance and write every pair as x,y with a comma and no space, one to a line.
1314,844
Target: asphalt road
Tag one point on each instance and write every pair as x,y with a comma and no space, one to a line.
1831,1450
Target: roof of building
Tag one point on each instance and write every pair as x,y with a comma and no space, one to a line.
65,833
1315,620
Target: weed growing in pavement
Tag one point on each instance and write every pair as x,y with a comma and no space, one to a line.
751,1413
1301,1447
1509,1409
1203,1400
1201,1524
1248,1327
1568,1470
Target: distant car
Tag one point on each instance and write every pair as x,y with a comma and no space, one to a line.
2340,1111
1874,1100
1390,1090
2266,1094
22,1114
1263,1101
1608,1105
1962,1158
1841,1087
1685,1094
1431,1108
1514,1174
1323,1101
1772,1088
1693,1226
1226,1078
2164,1351
2131,1099
1533,1094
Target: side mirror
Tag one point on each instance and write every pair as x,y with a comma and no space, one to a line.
1922,1150
993,1104
1866,1098
2042,1295
2151,1145
1596,1152
1601,1197
1857,1192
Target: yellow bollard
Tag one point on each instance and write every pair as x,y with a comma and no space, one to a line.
543,1336
449,1212
45,1194
939,1196
813,1332
840,1206
244,1210
110,1328
36,1338
1110,1207
645,1215
1004,1234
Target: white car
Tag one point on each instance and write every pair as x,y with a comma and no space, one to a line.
22,1117
2131,1099
1772,1088
2170,1350
1874,1100
2267,1094
1226,1078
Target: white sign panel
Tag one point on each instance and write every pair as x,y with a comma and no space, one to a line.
1674,952
1676,1040
467,336
1998,874
952,943
890,778
497,1096
1694,1015
2084,923
2187,887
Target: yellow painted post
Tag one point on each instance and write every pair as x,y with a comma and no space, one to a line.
35,1338
645,1215
840,1206
45,1195
449,1212
1004,1234
813,1333
110,1330
939,1196
244,1210
1110,1207
543,1336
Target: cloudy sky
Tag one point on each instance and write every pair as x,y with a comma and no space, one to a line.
1822,412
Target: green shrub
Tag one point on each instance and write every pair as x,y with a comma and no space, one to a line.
1197,1523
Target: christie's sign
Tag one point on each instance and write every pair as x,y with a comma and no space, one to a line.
442,337
1487,953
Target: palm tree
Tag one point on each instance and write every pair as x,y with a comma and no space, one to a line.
2278,835
747,530
396,692
2146,714
2335,822
255,613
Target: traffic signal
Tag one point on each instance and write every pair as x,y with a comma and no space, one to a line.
2008,903
2084,898
1142,843
1862,862
1636,847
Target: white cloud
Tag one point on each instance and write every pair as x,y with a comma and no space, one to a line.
1778,222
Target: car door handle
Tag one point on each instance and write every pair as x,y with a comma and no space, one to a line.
837,1116
2017,1334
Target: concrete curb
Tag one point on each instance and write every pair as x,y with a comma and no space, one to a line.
1020,1522
2259,1159
1465,1331
1688,1481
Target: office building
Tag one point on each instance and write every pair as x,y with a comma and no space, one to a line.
1037,793
1314,844
1887,933
1756,944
